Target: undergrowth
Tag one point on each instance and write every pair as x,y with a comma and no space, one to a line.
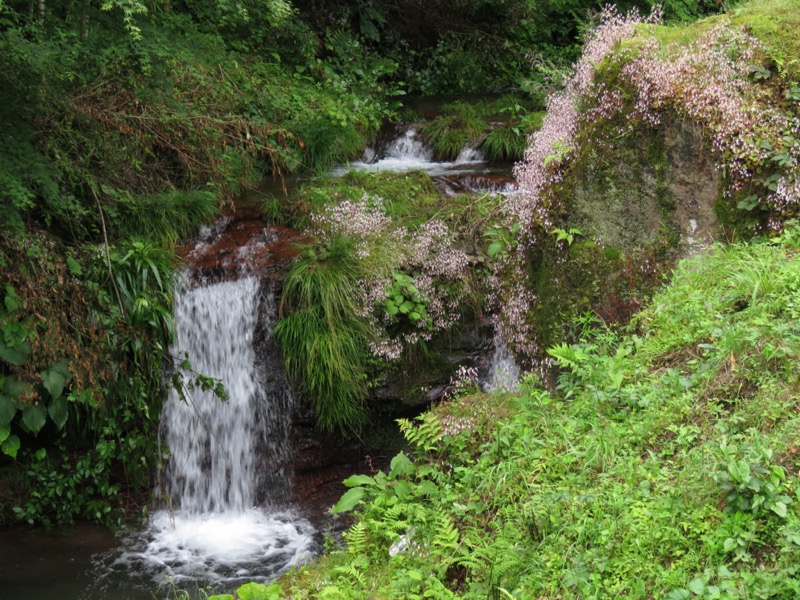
664,465
393,264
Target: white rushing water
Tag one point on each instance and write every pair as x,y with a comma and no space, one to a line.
226,458
504,371
407,152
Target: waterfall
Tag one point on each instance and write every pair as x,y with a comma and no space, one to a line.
214,446
406,152
226,459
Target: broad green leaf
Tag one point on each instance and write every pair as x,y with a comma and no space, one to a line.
697,586
349,500
8,408
221,597
74,266
414,315
15,387
739,470
401,465
11,446
58,411
41,453
34,417
779,508
355,480
427,488
259,591
12,301
5,431
54,381
406,306
494,248
391,307
17,354
402,489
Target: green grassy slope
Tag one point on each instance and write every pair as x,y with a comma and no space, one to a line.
665,464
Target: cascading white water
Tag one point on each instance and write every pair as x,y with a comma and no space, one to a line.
504,372
223,453
407,152
212,444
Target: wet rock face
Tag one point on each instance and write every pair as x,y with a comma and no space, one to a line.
629,194
241,243
427,379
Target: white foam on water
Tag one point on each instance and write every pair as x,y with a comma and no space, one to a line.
218,548
220,453
408,153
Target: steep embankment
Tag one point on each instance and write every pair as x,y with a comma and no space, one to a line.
665,462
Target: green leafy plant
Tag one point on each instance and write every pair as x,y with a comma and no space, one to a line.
750,486
404,301
322,339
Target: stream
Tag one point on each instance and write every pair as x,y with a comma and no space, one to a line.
230,510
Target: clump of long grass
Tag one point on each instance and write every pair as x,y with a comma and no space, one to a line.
324,343
509,141
327,143
164,218
460,126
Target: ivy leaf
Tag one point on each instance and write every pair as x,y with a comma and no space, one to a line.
349,500
779,508
58,411
258,591
427,488
8,408
10,446
401,465
697,586
12,301
17,354
494,249
34,417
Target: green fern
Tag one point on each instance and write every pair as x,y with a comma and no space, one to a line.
425,436
356,538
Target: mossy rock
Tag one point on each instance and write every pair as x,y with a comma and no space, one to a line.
628,194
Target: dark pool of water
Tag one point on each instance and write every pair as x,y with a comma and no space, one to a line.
59,565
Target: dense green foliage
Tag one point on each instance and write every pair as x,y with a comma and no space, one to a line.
123,128
124,125
84,340
664,465
392,265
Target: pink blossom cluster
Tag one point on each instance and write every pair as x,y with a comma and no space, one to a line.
551,146
429,253
433,248
363,219
708,82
